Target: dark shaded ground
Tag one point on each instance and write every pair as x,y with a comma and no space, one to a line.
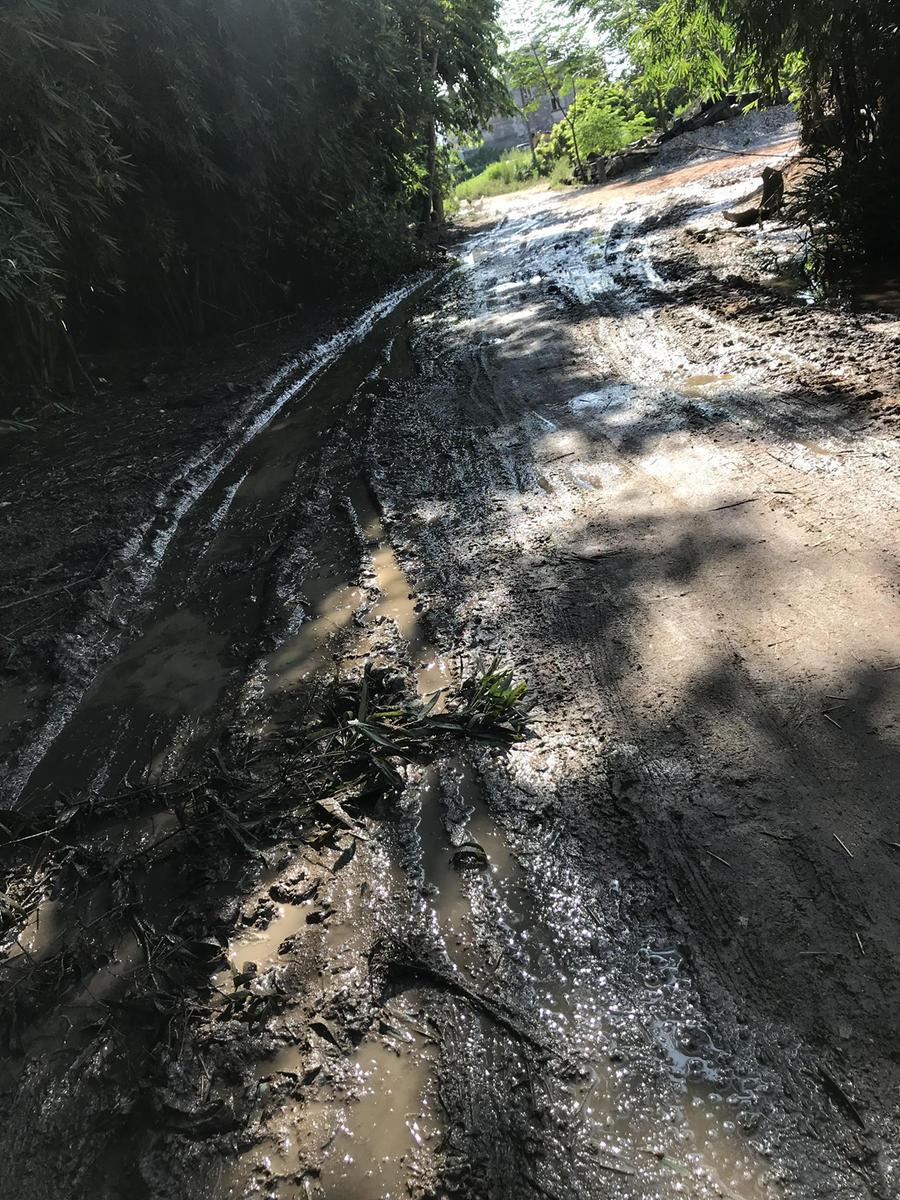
93,492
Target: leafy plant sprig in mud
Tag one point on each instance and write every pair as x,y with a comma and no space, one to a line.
367,728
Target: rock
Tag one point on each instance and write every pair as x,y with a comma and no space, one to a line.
709,112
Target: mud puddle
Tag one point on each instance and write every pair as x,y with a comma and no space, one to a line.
392,1120
876,290
376,1123
700,385
340,590
654,1102
397,601
796,287
873,293
645,1100
456,861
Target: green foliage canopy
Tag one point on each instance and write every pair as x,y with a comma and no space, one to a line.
182,164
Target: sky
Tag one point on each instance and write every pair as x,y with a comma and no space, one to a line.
532,15
509,10
514,13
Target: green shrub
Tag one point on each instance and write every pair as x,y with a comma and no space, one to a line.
512,172
605,120
476,162
560,174
553,146
601,125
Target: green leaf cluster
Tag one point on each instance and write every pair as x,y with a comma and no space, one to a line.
175,166
605,119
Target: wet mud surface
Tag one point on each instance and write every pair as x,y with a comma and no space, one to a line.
649,951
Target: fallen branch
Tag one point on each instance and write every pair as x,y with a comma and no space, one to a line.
735,504
63,587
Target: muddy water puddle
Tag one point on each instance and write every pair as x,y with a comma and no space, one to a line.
454,855
332,606
797,287
655,1104
390,1121
874,293
397,600
700,385
349,585
369,1141
646,1108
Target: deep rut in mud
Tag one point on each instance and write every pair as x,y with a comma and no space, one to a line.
570,967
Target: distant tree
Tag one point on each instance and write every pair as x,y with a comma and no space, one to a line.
679,46
841,57
456,51
549,55
616,20
605,119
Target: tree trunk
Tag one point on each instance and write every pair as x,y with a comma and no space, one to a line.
527,124
435,195
433,201
549,86
574,135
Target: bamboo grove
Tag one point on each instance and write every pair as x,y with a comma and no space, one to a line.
175,166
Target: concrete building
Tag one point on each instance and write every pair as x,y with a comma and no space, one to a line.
503,132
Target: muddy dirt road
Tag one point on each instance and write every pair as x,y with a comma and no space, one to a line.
650,951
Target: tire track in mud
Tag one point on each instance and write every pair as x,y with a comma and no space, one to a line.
495,1142
199,492
195,635
266,527
523,1021
831,469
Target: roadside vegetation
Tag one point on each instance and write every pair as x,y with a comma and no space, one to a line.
171,168
515,169
550,56
619,70
838,59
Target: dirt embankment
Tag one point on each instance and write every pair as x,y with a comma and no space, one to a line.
648,951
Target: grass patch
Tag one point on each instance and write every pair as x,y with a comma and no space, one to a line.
515,170
560,174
